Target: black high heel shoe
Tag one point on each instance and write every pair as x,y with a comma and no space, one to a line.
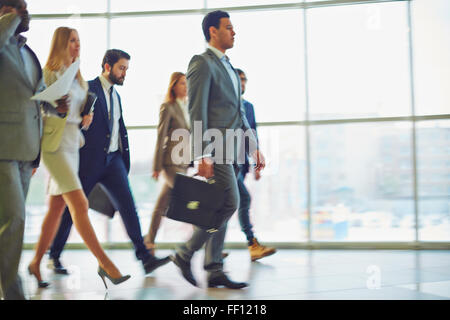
41,284
102,273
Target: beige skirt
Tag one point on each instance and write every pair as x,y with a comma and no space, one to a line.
63,164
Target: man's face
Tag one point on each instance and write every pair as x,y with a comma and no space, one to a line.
243,81
21,7
225,34
119,71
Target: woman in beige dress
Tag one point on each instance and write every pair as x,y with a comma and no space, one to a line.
60,146
173,115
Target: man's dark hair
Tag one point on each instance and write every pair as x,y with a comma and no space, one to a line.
112,56
239,71
212,19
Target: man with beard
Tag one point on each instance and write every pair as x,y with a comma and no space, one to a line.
20,135
105,160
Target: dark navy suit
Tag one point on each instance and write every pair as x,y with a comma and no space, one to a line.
244,195
108,169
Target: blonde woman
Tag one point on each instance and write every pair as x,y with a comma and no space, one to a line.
60,146
173,115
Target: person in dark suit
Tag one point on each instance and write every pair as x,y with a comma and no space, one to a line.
105,159
20,137
257,251
215,106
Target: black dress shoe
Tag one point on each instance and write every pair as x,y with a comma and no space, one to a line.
154,263
57,267
223,280
185,268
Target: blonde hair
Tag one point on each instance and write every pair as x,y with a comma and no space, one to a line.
59,51
174,78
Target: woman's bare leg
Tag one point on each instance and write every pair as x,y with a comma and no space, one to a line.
49,228
78,207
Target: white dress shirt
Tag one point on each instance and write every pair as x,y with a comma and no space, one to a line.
106,85
184,107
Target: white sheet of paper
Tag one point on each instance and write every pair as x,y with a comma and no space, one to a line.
61,86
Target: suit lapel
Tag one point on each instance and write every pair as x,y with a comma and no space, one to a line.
21,66
38,66
224,71
102,100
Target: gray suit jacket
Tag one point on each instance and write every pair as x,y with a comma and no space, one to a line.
213,101
20,117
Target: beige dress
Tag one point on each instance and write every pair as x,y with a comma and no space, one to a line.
63,164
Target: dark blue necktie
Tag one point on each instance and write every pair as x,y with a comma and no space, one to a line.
111,107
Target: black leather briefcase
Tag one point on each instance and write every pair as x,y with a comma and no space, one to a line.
196,202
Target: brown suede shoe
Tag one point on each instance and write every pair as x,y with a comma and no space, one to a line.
258,251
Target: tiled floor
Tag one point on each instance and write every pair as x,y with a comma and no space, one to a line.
288,275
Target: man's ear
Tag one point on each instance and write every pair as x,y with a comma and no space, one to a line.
107,68
212,30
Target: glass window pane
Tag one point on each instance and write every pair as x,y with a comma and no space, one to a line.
238,3
154,5
154,56
358,61
433,167
362,182
431,34
66,6
278,199
92,34
276,76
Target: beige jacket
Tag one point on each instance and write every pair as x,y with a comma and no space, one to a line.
171,118
54,126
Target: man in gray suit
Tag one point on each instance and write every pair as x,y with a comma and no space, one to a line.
215,106
20,134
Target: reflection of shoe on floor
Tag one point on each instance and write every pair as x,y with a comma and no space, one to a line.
55,265
258,251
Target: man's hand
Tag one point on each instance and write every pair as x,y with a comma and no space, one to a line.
155,175
259,160
206,168
87,120
8,9
257,175
63,104
33,172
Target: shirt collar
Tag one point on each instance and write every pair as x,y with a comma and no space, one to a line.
218,53
105,83
19,40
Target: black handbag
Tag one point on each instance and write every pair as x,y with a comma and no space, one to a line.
196,202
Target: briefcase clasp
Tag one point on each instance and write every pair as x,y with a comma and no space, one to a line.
193,205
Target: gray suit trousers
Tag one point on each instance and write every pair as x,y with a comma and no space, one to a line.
225,176
15,179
